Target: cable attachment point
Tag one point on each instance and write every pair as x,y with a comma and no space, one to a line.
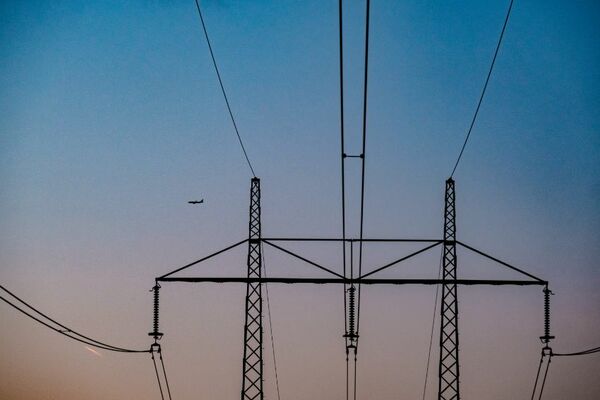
547,337
155,332
155,348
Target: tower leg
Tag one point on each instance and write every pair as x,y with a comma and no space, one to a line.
449,366
252,370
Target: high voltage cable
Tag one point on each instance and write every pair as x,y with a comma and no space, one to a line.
343,178
364,140
270,324
355,368
162,396
487,80
537,376
212,55
437,289
343,158
579,353
545,376
162,363
550,355
65,331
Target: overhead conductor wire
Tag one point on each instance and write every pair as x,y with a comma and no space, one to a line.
579,353
437,289
364,140
343,178
162,363
362,188
214,61
487,80
65,331
550,355
270,322
545,376
162,396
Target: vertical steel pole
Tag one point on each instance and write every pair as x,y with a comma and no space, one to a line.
252,370
449,366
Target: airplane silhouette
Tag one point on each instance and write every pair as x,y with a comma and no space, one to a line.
196,201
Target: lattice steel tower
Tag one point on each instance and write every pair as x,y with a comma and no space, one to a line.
252,370
449,367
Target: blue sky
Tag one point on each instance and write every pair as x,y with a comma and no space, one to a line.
113,119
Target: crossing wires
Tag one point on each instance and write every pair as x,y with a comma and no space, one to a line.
485,85
214,61
56,326
547,352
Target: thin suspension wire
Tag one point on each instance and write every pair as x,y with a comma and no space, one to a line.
537,376
212,55
355,368
270,323
162,396
437,289
343,161
343,178
487,80
347,375
578,353
165,373
364,141
545,376
65,330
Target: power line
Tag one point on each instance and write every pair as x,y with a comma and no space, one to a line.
212,55
437,289
162,396
578,353
364,141
162,363
487,80
355,368
537,376
343,161
548,352
270,324
545,376
65,331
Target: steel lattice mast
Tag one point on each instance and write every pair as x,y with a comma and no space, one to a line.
252,369
449,367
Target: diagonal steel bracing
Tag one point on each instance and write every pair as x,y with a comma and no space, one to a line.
449,366
252,368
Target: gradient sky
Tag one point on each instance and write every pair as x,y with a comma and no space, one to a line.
112,119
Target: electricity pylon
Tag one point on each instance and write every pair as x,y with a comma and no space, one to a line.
252,370
449,367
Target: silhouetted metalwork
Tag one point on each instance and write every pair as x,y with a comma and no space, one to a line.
155,331
351,335
252,369
449,367
252,383
369,281
547,337
155,348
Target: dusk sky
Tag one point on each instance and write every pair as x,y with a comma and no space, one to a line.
112,119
